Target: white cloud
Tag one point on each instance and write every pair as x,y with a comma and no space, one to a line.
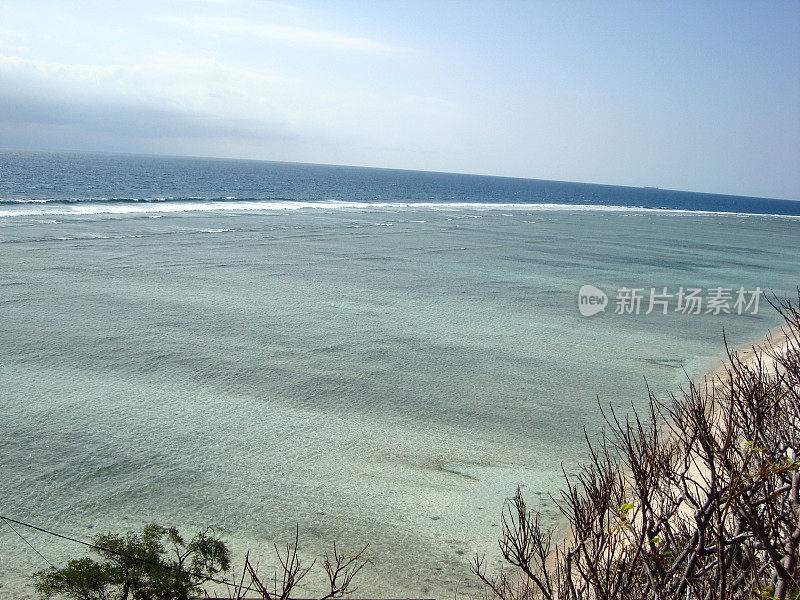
262,3
11,39
315,38
73,72
193,96
166,79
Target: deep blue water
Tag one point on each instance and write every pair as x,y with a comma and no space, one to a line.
61,177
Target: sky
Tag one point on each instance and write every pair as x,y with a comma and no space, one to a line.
701,96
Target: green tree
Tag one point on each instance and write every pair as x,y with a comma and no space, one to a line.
156,564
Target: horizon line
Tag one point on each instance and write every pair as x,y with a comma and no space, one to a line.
406,170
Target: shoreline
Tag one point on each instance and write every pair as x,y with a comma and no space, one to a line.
774,341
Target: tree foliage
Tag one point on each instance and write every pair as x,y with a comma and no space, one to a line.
158,564
154,564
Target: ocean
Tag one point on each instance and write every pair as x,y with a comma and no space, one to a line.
378,356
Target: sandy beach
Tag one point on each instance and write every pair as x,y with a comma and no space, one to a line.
714,380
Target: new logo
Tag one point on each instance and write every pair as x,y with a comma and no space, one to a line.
591,300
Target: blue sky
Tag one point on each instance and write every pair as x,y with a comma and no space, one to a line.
695,96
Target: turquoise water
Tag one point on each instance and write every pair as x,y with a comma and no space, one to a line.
381,374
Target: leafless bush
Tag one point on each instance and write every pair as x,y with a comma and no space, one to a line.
697,498
340,568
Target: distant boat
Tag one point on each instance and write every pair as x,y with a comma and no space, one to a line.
648,187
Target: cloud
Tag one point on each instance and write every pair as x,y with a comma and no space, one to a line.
173,82
13,40
262,3
315,38
175,103
119,120
87,106
178,83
